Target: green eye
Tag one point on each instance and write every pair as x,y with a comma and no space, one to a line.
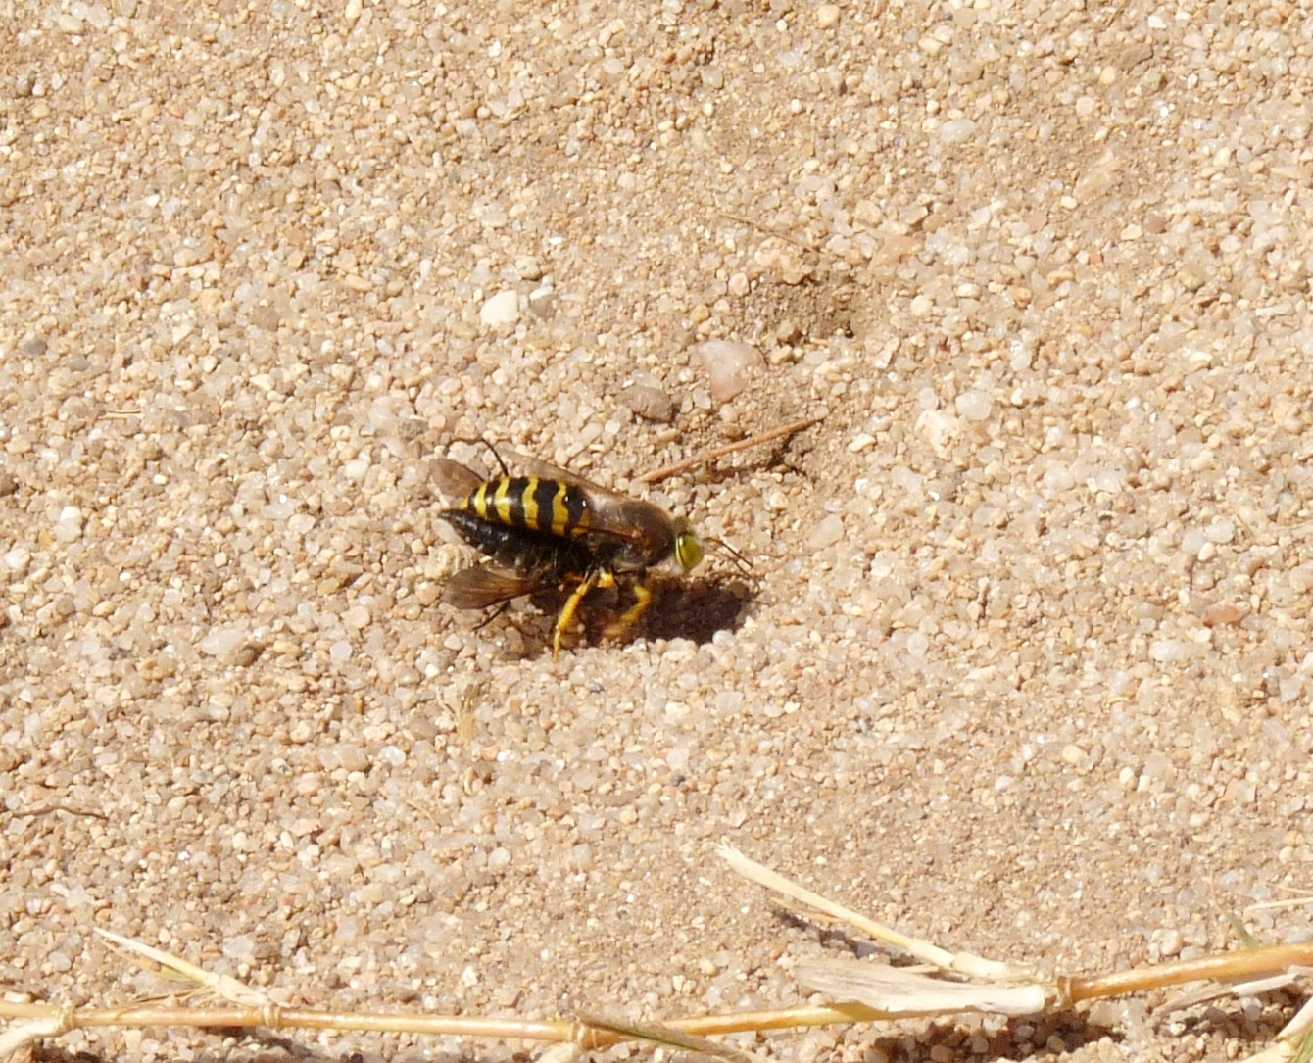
688,550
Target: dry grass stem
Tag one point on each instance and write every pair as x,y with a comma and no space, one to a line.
716,453
667,1037
868,991
1235,966
1301,898
220,984
24,1035
902,992
1241,989
927,952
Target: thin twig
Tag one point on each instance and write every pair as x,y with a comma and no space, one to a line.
708,456
42,810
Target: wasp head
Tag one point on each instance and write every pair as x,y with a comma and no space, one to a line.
688,547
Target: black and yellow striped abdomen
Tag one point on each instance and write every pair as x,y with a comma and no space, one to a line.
549,507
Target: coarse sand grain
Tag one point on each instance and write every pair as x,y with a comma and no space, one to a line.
1024,661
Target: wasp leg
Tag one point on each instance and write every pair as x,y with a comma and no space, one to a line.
643,597
600,578
492,616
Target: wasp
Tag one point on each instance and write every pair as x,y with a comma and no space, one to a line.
559,531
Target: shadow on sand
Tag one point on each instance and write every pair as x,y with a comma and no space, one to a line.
693,609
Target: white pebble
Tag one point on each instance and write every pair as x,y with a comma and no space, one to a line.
728,365
1057,477
974,405
222,641
351,757
1170,943
16,559
957,132
1166,650
1220,531
68,528
940,429
827,15
1073,755
729,702
240,948
501,310
827,532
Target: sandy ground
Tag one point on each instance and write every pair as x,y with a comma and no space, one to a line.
1025,660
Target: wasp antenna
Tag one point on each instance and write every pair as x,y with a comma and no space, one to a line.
744,564
480,439
504,471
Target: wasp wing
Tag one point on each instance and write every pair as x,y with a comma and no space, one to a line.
485,585
614,516
454,479
545,470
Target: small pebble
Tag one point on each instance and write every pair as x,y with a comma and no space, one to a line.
222,641
68,528
648,402
728,365
1167,650
502,310
1223,613
1073,755
974,405
827,532
957,132
1220,531
352,757
529,268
